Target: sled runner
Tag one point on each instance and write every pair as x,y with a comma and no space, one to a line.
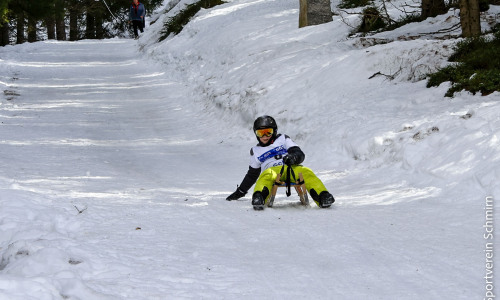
298,185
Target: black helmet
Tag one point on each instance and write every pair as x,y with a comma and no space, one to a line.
266,122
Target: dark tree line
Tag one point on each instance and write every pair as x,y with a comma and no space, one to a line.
32,20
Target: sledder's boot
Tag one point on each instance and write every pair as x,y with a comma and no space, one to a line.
325,199
258,201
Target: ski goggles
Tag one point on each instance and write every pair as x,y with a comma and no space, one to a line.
264,132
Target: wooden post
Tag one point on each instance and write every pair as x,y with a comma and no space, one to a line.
314,12
303,13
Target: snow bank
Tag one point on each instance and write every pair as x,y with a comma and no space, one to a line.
345,100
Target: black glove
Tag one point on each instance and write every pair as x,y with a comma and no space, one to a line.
290,159
236,195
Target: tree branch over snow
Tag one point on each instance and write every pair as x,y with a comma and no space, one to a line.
80,210
390,77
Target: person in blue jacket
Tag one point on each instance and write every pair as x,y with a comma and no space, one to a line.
136,16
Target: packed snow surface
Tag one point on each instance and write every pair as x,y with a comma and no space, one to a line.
117,156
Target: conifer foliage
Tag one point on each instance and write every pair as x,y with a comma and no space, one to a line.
475,67
29,21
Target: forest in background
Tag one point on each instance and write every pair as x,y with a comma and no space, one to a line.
31,21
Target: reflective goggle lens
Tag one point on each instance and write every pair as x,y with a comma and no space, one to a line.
264,132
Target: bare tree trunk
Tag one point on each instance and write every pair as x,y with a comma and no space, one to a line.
51,28
31,29
50,22
314,12
432,8
4,34
99,32
20,28
90,28
469,18
303,13
73,24
59,18
60,30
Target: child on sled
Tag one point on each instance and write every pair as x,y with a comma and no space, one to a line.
266,161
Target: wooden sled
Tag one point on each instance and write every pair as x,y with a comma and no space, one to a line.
298,185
